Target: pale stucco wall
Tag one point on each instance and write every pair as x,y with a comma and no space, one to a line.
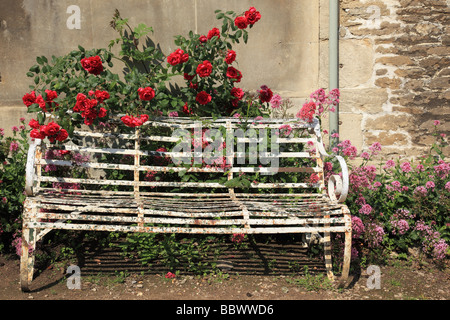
282,51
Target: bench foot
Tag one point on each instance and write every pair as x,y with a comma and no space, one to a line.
27,258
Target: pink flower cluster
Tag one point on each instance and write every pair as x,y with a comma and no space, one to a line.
357,227
375,235
400,226
432,242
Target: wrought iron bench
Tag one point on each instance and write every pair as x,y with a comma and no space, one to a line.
148,180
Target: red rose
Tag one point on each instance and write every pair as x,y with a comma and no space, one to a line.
241,22
101,95
37,134
203,39
233,73
204,69
188,77
62,135
186,109
265,94
230,57
144,118
34,124
51,95
102,113
177,57
41,102
237,92
146,94
203,98
252,15
173,59
51,128
126,120
92,65
136,122
132,122
193,85
82,103
213,32
29,98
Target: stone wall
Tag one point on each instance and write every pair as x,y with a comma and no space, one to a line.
395,73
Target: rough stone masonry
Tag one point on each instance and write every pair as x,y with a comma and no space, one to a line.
395,72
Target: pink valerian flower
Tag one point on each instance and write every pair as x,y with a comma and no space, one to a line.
404,213
285,130
307,112
366,209
442,170
399,226
276,101
319,95
374,148
14,146
396,185
430,185
173,114
447,186
432,242
350,152
389,164
347,149
421,191
362,177
374,235
170,275
365,155
357,227
406,167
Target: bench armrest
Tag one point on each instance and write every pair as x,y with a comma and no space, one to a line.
30,173
337,185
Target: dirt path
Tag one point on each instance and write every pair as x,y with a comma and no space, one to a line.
108,276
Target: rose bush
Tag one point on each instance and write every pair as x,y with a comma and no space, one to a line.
81,88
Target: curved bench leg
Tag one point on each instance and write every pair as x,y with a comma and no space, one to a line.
27,258
327,251
328,259
347,247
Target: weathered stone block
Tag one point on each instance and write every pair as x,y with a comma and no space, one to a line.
356,57
387,139
386,82
367,100
391,122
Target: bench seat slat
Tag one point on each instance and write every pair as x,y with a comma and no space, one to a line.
184,230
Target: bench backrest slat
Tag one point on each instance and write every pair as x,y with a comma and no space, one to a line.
144,161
